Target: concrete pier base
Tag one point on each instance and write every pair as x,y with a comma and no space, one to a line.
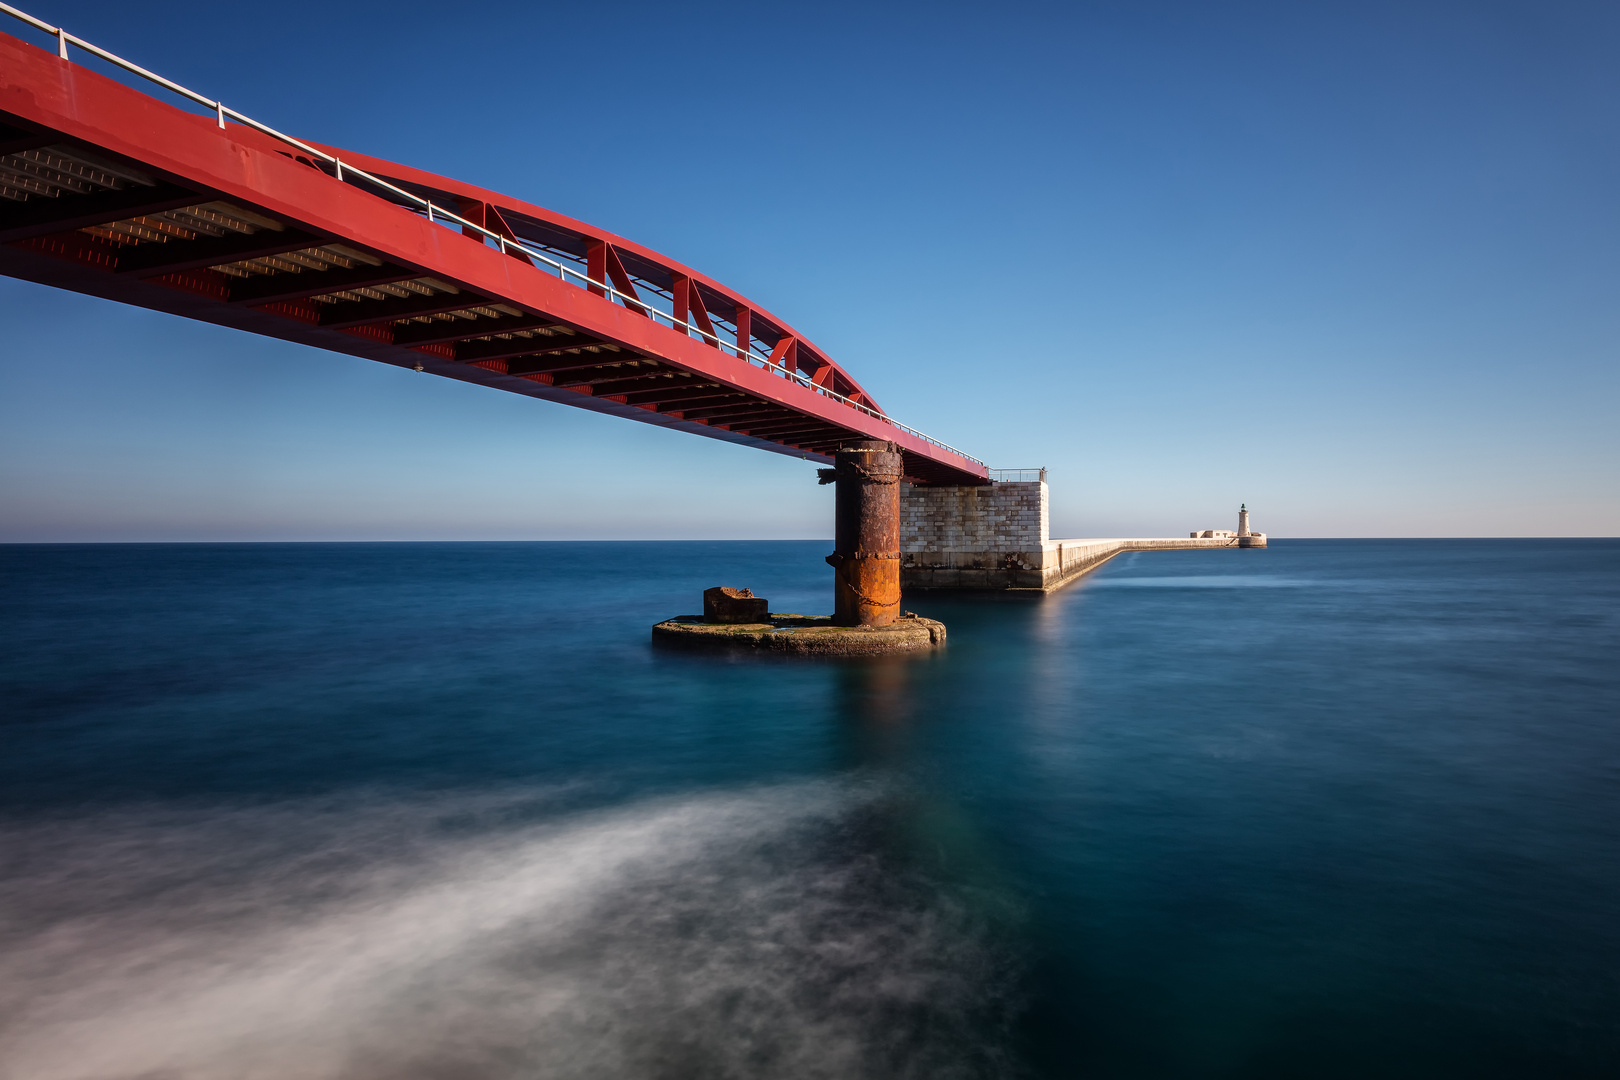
803,635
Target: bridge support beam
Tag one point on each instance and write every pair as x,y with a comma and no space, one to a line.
866,547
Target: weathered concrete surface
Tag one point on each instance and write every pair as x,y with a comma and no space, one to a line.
803,635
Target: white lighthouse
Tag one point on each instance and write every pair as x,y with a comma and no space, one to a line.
1243,538
1246,538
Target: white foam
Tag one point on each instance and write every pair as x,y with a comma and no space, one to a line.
700,936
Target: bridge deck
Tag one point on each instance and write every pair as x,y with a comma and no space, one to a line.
108,191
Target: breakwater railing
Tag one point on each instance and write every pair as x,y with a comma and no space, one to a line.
1018,476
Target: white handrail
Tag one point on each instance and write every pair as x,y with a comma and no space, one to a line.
436,213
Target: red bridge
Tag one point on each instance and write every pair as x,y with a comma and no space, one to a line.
108,191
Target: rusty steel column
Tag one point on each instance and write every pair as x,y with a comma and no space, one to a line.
866,545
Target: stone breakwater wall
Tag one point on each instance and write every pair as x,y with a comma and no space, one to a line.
984,517
995,537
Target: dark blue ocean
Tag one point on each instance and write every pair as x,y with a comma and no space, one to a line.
1335,809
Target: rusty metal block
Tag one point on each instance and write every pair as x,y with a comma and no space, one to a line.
723,604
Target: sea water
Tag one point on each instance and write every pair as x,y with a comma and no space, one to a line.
1331,809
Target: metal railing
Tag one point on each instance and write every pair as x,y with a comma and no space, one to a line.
438,214
1017,476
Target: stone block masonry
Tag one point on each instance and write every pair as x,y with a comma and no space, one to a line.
995,537
986,517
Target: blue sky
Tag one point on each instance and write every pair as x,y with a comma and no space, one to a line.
1357,265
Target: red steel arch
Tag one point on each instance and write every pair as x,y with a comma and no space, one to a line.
108,191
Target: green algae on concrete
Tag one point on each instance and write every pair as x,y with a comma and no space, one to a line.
804,634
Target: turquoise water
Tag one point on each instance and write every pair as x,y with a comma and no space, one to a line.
1334,809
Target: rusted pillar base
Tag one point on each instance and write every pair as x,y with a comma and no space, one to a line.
866,545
